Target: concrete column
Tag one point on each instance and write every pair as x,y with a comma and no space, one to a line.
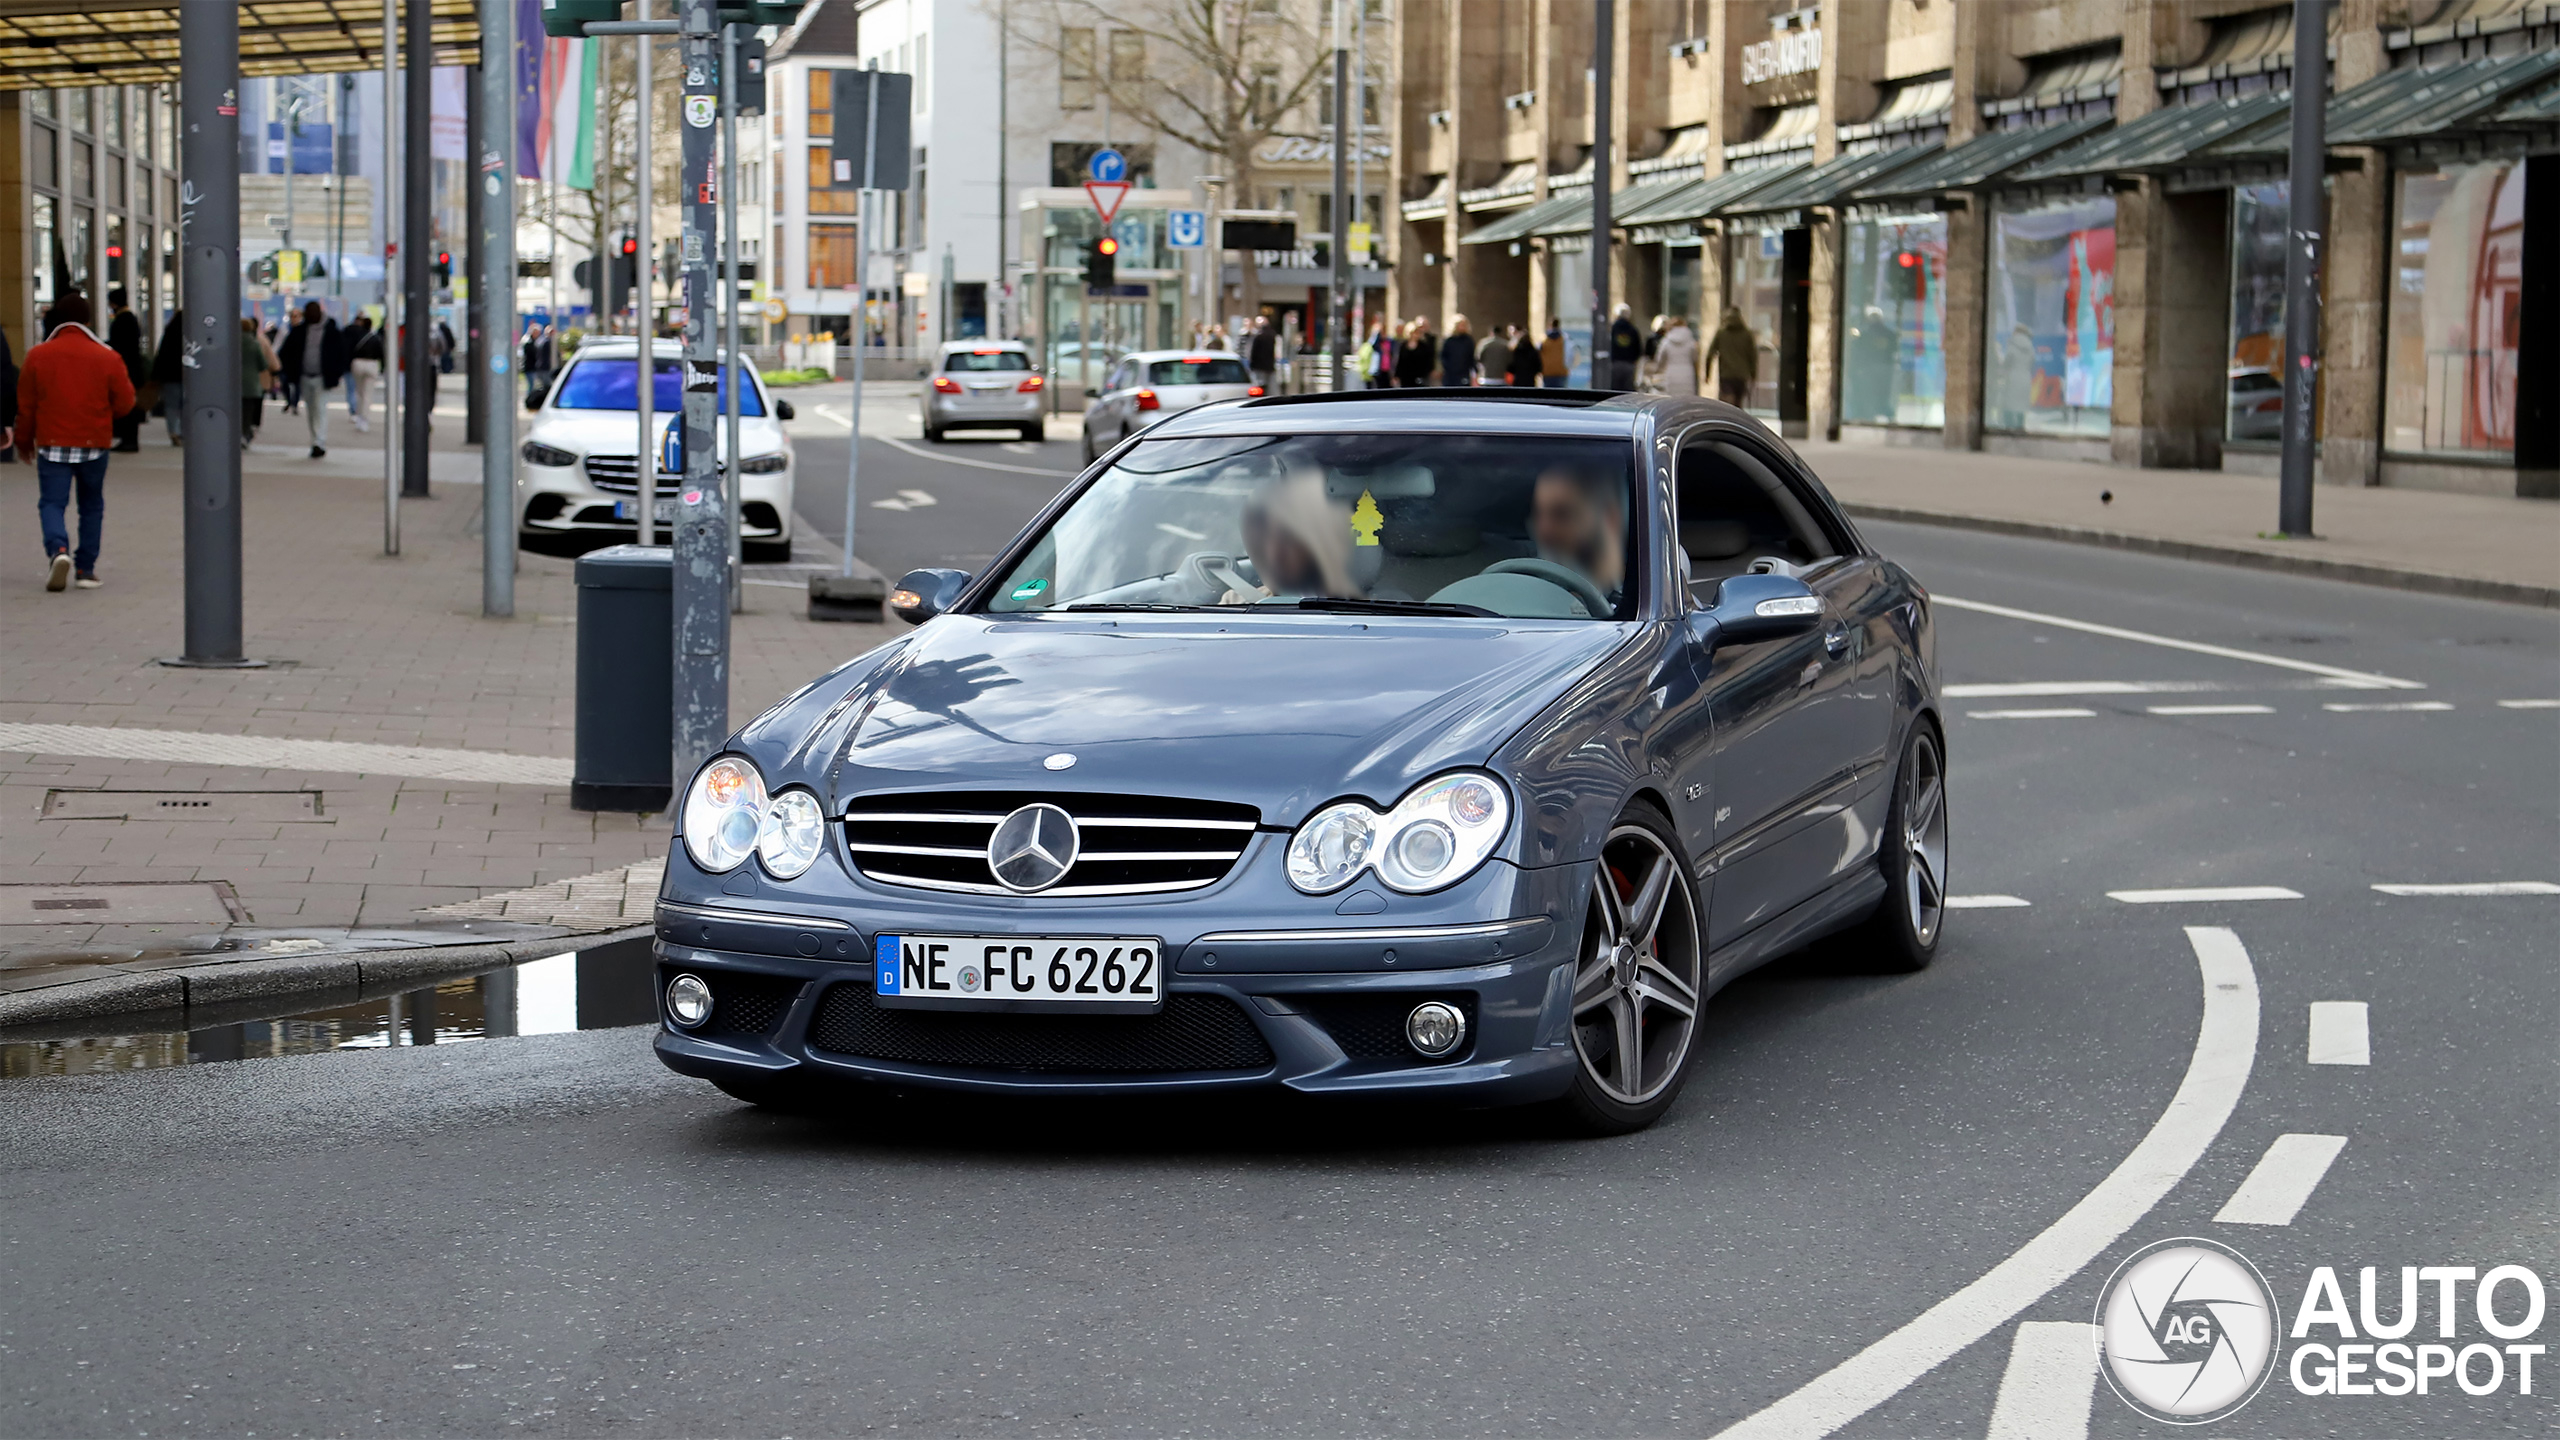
209,124
1981,50
2538,351
1479,281
2172,307
2356,284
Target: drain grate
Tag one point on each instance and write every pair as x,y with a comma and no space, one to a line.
135,902
263,806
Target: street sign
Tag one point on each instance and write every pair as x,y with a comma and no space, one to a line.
1107,195
1108,166
1359,242
1186,229
775,310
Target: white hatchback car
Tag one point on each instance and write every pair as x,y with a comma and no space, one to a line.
1148,385
983,385
579,477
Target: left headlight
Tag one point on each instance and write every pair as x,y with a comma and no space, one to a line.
1434,837
794,829
537,453
724,814
773,464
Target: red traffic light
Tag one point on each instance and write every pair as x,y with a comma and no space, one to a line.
444,257
1106,246
115,252
630,246
1906,259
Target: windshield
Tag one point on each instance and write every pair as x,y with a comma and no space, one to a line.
1202,371
965,360
605,383
1503,525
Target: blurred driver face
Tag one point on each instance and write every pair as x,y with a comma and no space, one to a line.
1581,525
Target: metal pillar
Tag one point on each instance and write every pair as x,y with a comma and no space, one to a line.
865,205
416,249
643,310
493,295
392,202
1603,58
475,303
209,100
2302,264
1337,315
702,514
736,362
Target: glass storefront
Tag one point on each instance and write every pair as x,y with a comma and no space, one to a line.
1755,270
2259,216
1893,364
2457,299
1680,287
2049,357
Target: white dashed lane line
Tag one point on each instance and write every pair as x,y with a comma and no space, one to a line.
2529,704
2052,1378
2282,1183
1985,902
2208,709
2027,689
2059,714
2339,1033
2476,887
2204,894
2353,709
2357,679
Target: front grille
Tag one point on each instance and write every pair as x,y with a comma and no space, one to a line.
1127,844
1371,1027
1191,1033
750,1005
621,474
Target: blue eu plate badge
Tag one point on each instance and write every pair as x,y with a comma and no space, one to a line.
886,952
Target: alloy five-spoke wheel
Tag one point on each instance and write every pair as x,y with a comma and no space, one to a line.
1638,984
1907,925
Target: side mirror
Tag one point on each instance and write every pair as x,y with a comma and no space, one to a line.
923,594
1752,608
782,410
534,397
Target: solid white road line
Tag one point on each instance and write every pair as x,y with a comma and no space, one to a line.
2477,887
1985,902
922,453
2226,1048
2209,709
2022,689
2064,714
2204,893
337,756
2052,1376
2282,1183
2337,709
2359,679
2338,1033
2529,704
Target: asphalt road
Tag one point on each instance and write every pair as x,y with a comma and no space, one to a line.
554,1234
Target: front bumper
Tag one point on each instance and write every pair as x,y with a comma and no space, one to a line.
1311,1006
560,500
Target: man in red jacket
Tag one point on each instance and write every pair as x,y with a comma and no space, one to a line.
70,392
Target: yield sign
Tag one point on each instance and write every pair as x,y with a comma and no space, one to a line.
1107,195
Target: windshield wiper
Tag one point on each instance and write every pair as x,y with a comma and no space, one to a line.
1350,606
1144,605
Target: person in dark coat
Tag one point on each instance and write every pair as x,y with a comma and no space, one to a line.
169,373
1417,356
1458,354
1524,359
1626,347
124,336
314,354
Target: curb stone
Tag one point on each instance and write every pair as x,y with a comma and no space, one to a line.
2357,572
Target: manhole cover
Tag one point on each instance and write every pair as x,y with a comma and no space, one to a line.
137,902
263,806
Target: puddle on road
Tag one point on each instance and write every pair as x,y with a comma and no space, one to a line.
598,989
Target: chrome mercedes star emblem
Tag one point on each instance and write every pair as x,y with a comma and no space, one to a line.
1033,847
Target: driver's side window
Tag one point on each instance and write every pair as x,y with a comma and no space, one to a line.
1736,513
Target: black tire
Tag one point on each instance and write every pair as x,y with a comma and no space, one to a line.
1649,990
1031,434
765,552
932,433
1087,445
1904,932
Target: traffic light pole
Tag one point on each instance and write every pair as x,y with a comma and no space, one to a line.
1337,313
737,363
209,387
643,318
702,576
493,293
2302,268
419,312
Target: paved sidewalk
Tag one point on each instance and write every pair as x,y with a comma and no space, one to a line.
2493,548
433,745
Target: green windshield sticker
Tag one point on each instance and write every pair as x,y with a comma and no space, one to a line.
1365,519
1029,588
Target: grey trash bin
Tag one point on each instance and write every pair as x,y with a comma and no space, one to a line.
626,679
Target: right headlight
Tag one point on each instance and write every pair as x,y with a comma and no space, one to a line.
1434,837
724,814
537,453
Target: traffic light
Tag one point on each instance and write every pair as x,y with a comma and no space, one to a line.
444,268
568,19
1908,278
1101,263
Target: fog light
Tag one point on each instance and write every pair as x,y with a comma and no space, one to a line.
689,1001
1434,1029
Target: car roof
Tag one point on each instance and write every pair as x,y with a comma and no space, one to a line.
1449,411
1153,355
956,347
630,346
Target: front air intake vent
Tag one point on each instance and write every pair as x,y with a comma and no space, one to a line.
1125,844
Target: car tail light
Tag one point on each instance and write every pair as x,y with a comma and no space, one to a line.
1028,386
1147,400
945,385
1253,392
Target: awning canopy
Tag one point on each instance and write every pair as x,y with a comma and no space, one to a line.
2402,105
1517,185
2542,107
1912,105
1520,224
48,44
1978,161
1679,211
1576,215
2067,78
1688,148
1828,183
2252,42
1432,206
2157,141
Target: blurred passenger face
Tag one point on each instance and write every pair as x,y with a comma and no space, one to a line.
1577,527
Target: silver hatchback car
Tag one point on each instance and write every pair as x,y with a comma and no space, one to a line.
1148,385
983,385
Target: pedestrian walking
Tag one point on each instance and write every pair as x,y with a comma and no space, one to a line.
1416,355
258,367
1287,352
1554,357
313,353
1527,358
168,375
1262,353
1648,371
441,347
1735,352
1675,359
1493,358
1458,354
364,367
69,394
1626,347
124,336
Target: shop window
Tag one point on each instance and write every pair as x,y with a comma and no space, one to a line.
822,105
2457,299
1680,290
42,254
40,154
2049,357
1756,267
84,169
2259,217
1894,321
833,257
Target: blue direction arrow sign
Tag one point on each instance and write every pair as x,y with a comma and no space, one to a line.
1186,229
1108,166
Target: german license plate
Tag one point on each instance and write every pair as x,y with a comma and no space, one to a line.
1019,972
630,510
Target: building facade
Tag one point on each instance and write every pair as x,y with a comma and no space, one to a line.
2045,228
95,193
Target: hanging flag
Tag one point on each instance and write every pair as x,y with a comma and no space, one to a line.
446,114
531,45
569,80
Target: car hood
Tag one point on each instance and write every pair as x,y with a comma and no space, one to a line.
1279,712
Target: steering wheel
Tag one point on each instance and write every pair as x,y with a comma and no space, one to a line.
1216,574
1563,576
